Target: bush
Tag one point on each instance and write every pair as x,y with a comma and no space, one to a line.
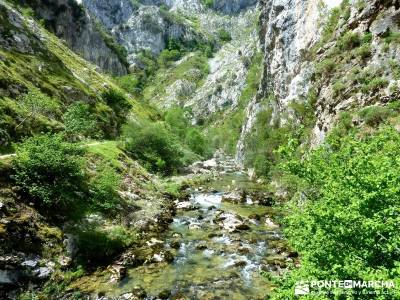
168,56
374,85
78,121
364,51
338,87
196,142
99,246
349,41
375,115
49,170
104,188
325,67
208,3
36,103
224,35
175,118
129,83
345,223
154,146
117,101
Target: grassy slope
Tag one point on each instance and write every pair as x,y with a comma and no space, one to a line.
49,65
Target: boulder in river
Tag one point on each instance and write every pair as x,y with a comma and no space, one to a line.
231,222
235,197
186,205
118,272
269,223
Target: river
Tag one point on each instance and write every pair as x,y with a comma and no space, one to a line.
218,248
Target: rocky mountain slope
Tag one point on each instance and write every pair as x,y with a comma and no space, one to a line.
326,65
70,22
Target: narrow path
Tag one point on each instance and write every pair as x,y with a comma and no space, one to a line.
5,156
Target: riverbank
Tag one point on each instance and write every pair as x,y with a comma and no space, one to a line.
223,234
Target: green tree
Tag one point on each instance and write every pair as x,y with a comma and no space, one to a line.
344,221
78,121
154,146
196,142
104,188
49,170
35,103
175,118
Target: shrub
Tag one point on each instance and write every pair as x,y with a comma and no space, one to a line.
129,83
49,170
374,85
395,105
375,115
326,66
154,146
175,118
345,223
196,142
36,103
117,101
367,38
224,35
79,121
100,246
208,3
364,51
168,56
120,106
392,37
338,87
349,41
104,188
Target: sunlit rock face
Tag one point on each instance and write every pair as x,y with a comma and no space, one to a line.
71,23
288,29
149,24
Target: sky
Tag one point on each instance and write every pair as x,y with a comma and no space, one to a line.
332,3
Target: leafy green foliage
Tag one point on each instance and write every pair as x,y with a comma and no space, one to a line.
349,41
129,83
208,3
374,85
120,106
49,170
78,121
168,56
375,115
325,67
104,187
117,101
175,118
345,218
197,142
154,146
37,103
224,35
110,242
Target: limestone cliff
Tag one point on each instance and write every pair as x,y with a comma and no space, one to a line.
69,21
348,58
150,24
287,30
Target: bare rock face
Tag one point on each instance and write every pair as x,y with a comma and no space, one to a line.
149,24
69,21
288,29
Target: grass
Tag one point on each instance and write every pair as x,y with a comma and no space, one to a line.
108,151
164,77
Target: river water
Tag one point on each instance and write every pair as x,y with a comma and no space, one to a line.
218,247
